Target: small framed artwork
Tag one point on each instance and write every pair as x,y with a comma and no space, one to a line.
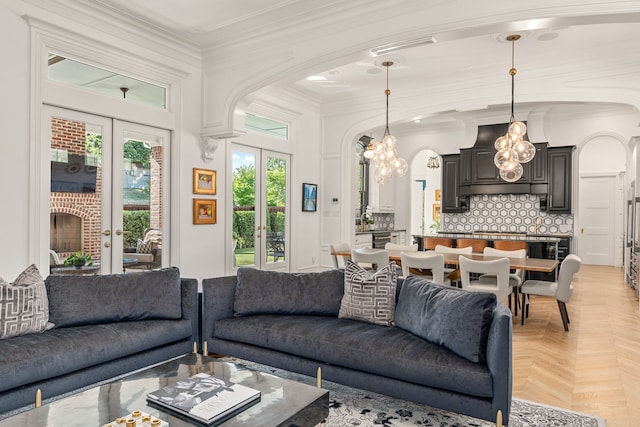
204,181
309,197
204,211
438,195
436,211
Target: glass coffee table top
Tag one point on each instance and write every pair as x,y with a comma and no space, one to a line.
283,402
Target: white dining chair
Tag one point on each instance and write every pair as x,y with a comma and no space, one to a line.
424,261
516,277
396,247
561,290
498,285
339,261
441,249
374,259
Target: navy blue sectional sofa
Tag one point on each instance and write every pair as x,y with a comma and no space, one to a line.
292,321
105,326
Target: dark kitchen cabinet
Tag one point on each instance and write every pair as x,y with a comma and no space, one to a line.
465,166
559,170
450,183
538,169
484,170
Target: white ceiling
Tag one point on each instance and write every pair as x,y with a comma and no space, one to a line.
562,62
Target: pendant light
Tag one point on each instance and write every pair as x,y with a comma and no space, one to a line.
513,149
385,157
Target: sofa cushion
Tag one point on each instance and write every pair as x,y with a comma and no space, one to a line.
81,300
369,297
361,346
36,357
24,307
456,319
273,292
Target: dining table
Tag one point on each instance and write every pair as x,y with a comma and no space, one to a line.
527,264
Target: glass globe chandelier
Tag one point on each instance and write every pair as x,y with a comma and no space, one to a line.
513,149
385,157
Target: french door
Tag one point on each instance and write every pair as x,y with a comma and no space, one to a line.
260,217
107,189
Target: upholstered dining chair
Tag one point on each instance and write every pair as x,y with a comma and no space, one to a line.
339,261
396,247
516,277
561,290
422,261
498,285
375,258
447,250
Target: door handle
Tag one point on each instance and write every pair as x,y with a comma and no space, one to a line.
107,232
120,232
107,244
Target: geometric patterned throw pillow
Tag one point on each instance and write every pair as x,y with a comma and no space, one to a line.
24,306
369,297
144,246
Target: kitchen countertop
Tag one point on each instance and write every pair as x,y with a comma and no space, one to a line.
380,231
553,238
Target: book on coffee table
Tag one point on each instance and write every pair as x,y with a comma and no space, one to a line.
205,398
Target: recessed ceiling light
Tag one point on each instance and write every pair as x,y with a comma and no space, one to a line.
316,78
416,121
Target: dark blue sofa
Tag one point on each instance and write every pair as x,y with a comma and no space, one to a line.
105,326
293,324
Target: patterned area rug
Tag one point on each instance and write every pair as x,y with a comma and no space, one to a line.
350,407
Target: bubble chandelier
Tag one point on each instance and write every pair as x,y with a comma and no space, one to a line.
383,153
513,149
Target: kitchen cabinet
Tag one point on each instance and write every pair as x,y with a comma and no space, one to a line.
483,168
398,237
450,183
364,240
465,167
386,197
560,173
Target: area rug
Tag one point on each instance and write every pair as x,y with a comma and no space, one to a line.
351,407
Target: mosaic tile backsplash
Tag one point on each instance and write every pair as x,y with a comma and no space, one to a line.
507,213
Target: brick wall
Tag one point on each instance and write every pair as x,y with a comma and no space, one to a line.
71,136
156,187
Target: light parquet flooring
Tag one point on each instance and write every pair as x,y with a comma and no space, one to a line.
595,367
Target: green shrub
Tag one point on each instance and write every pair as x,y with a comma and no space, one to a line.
134,223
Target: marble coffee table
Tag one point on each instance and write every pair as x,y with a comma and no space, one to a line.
283,402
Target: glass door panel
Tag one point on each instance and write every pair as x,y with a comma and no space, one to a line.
276,172
79,189
245,228
260,212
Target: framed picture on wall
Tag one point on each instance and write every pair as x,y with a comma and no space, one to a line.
438,195
436,211
309,197
204,211
204,181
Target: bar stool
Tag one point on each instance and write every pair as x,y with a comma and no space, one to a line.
477,245
510,245
430,243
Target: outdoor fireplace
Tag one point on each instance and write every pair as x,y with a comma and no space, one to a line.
66,232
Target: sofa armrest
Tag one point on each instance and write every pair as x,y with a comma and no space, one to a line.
217,302
499,360
190,310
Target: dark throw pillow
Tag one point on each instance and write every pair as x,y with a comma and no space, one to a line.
369,297
274,292
456,319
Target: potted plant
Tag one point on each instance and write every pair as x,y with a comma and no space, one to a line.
435,226
78,260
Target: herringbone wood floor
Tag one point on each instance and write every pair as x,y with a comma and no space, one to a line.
595,367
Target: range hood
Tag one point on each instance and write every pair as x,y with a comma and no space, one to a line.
481,174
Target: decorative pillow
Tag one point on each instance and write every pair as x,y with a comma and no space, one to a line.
24,307
86,300
369,297
144,246
456,319
274,292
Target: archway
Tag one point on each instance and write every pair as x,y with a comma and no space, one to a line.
425,194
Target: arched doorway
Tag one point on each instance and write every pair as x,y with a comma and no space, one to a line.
426,183
601,202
